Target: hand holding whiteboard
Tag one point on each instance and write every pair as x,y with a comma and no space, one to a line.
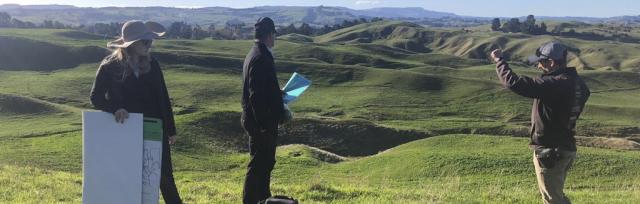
112,158
118,167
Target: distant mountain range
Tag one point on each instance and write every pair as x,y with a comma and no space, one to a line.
283,15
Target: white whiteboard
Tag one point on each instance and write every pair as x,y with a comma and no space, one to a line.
151,170
112,158
152,160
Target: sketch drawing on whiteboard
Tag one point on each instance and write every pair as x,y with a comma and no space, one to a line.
151,165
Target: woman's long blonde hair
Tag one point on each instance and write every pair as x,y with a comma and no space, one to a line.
125,58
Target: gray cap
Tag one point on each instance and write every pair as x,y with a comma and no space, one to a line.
552,50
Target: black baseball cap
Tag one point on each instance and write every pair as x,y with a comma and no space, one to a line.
552,50
265,25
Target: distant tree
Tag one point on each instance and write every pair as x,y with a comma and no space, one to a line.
235,27
116,28
58,25
376,19
505,27
104,29
495,24
234,24
305,29
336,27
98,28
225,34
17,23
198,33
47,24
29,24
513,25
346,23
289,29
174,30
186,31
529,25
5,19
211,29
557,30
543,29
325,29
179,30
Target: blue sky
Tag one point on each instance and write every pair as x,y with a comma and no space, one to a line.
487,8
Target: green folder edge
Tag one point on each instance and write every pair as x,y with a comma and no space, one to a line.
152,129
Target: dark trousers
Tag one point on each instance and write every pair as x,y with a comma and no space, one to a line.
167,184
262,147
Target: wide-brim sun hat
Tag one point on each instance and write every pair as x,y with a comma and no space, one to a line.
133,31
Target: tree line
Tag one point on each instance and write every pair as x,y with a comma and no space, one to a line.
231,30
514,25
529,26
306,29
236,29
7,21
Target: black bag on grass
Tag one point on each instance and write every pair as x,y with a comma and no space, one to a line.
279,200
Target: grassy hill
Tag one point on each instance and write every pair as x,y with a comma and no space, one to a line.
443,169
584,54
397,112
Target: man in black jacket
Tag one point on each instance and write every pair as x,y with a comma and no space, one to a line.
559,96
262,111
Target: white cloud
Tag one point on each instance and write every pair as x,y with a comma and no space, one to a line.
367,2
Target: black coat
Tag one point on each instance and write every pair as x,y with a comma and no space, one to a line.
262,105
147,94
558,100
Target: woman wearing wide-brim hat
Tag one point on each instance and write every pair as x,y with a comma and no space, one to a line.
131,81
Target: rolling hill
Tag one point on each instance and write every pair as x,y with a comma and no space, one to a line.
397,112
476,45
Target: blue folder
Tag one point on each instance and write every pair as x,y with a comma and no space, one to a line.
296,85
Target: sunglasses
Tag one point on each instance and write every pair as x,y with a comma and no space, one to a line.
539,54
